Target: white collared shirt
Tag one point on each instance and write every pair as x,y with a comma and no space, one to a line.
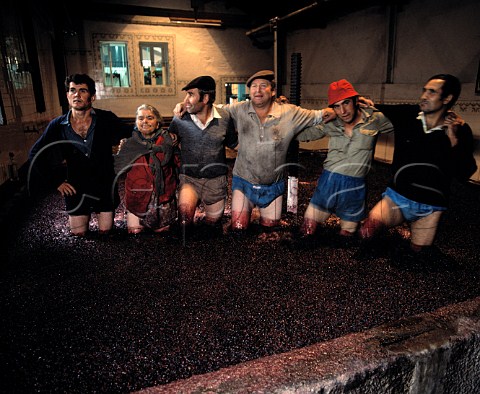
421,116
200,125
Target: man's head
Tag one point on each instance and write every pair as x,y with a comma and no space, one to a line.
267,75
262,88
339,91
440,91
205,85
81,91
79,79
343,98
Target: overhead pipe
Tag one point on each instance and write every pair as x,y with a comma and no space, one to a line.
273,25
274,21
392,40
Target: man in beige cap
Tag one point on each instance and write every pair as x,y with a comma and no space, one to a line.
265,130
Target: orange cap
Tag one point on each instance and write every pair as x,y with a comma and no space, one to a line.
340,90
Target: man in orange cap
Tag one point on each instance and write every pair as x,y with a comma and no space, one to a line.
341,186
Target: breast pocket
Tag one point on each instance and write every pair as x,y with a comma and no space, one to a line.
369,132
365,139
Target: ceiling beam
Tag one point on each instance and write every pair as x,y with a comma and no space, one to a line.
108,11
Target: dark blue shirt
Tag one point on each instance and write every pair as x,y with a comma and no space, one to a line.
84,145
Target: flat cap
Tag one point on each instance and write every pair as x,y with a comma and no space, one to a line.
264,74
205,82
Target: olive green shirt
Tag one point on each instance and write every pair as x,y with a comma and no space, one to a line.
353,155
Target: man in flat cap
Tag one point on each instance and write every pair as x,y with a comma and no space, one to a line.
203,132
265,130
341,188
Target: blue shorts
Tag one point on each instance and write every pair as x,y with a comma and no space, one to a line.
411,210
342,195
259,195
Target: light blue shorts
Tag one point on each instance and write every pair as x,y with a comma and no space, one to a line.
411,210
259,195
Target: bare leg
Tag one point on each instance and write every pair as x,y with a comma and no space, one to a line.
187,204
214,212
312,218
270,216
105,222
133,224
385,214
79,224
348,228
241,211
424,230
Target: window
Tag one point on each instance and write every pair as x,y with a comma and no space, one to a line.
233,89
127,65
20,68
235,92
154,61
17,64
115,64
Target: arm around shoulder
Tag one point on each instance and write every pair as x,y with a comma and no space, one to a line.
464,163
312,133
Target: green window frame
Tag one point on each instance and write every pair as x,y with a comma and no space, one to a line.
114,58
155,64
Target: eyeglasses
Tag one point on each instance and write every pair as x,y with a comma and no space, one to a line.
81,91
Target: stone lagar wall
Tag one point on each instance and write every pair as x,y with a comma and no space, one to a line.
437,352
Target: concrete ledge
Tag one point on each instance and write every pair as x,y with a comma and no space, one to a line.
436,352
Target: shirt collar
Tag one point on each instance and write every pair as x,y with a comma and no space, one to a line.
67,117
426,130
275,110
214,114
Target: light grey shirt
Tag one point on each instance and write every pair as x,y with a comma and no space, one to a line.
262,150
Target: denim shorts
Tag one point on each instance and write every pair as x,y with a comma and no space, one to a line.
340,194
411,210
259,195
